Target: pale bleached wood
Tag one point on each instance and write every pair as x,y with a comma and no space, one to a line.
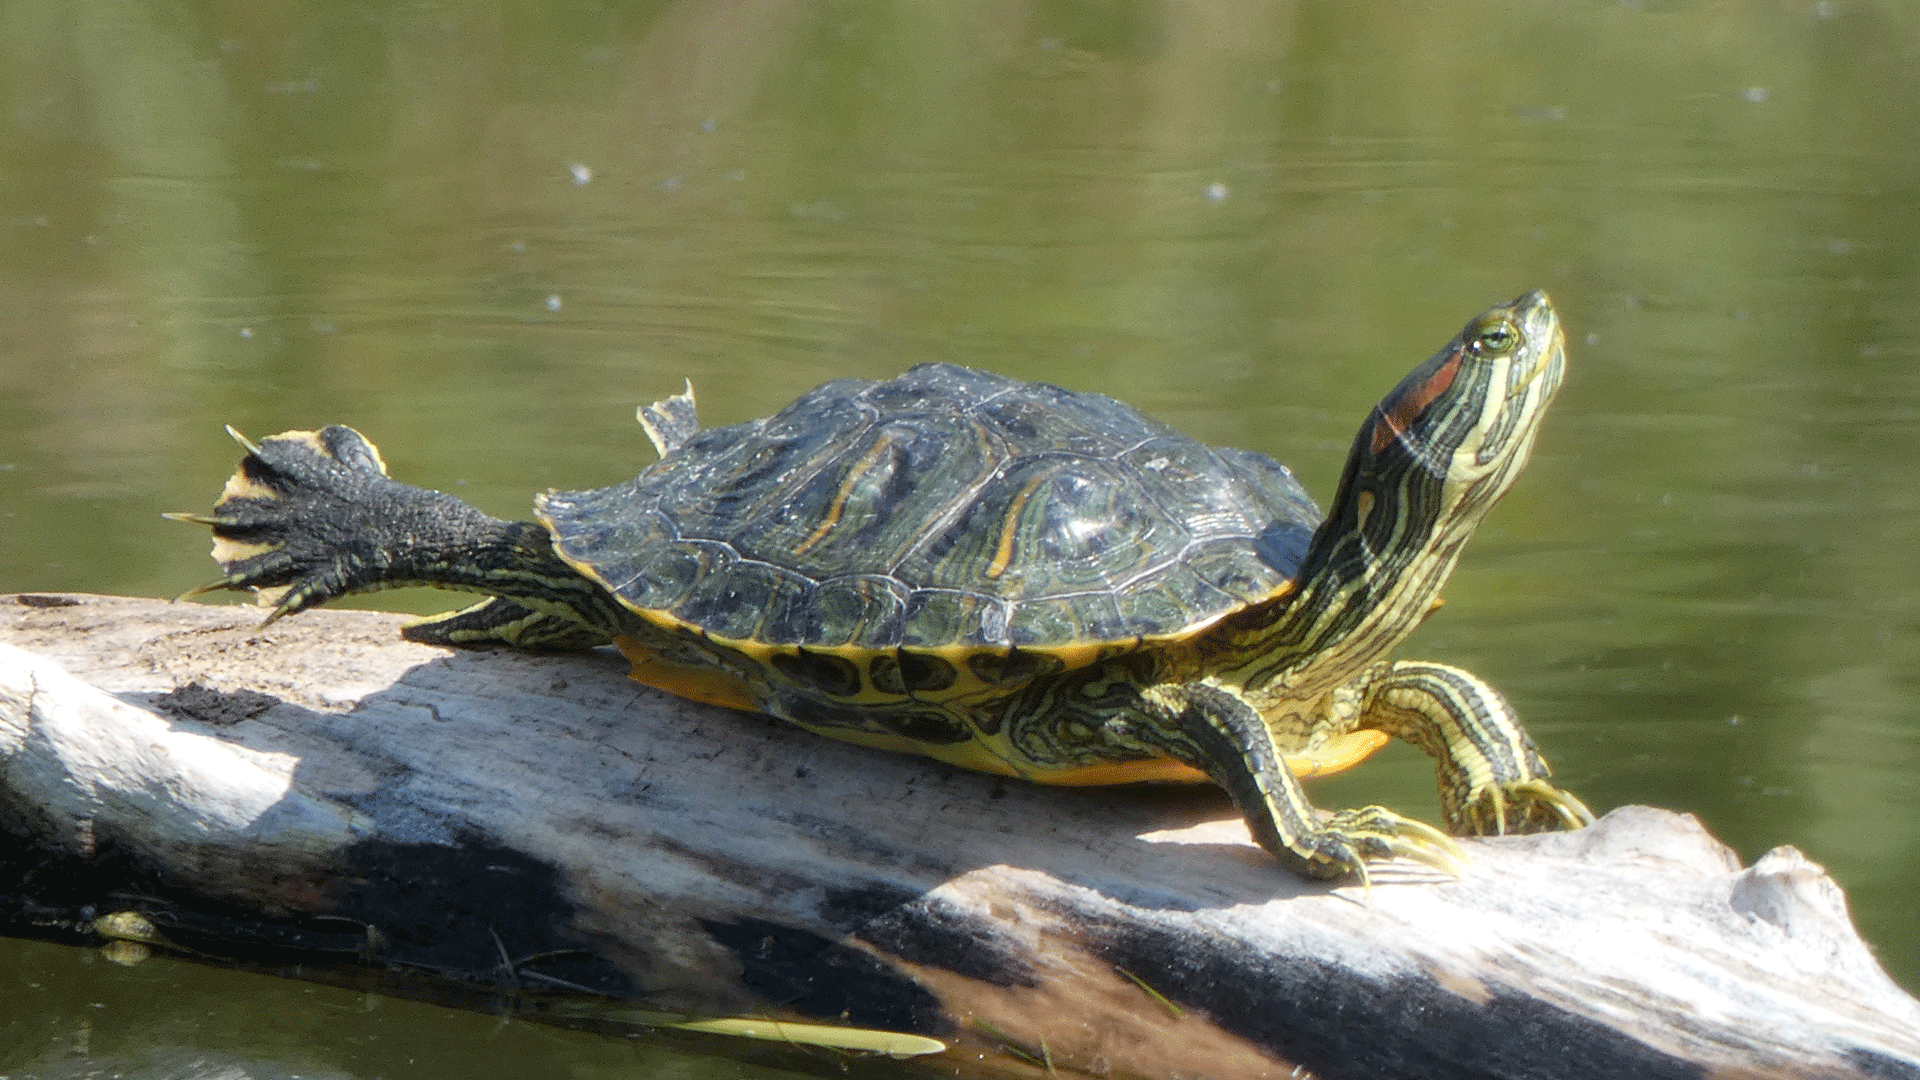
433,812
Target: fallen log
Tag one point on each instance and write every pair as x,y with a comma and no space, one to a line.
321,792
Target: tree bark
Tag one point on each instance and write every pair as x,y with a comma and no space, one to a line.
493,822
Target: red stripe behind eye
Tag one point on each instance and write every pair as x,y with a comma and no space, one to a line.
1402,411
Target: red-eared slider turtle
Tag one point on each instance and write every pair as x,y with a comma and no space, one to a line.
1004,575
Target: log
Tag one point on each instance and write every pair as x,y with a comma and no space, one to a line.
321,793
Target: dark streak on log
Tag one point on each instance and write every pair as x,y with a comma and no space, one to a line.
930,933
823,979
1407,1028
472,906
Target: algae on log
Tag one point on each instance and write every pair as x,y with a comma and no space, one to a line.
494,822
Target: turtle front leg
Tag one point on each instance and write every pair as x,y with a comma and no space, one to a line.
1216,730
1492,779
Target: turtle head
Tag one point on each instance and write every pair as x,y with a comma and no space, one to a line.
1431,459
1446,443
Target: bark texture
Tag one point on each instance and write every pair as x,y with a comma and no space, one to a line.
321,791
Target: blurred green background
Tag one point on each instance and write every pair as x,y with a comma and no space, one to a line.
483,232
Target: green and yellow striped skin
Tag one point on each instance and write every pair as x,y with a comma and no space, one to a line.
1006,576
952,726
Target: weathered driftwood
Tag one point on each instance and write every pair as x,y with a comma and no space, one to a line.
322,791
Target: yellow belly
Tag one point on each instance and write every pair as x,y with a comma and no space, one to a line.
718,686
1337,754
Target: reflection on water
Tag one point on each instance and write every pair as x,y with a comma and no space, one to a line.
482,233
73,1015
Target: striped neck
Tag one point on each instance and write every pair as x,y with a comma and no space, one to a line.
1432,458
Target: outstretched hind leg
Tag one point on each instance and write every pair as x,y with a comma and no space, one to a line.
507,622
311,516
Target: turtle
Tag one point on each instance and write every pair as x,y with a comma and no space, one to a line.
1004,575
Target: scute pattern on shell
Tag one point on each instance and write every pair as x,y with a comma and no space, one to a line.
945,507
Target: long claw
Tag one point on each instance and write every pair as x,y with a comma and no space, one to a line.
234,434
225,583
1351,837
201,590
1366,881
1526,806
1498,798
1423,843
1572,812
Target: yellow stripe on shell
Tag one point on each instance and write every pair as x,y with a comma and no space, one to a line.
839,505
1010,532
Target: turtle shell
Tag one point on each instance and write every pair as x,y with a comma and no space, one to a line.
946,508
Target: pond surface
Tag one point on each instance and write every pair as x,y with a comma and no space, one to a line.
481,233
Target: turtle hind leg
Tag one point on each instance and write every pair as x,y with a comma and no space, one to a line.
509,622
1219,732
1492,779
311,516
670,422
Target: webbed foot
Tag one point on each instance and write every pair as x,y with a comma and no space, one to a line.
292,521
312,515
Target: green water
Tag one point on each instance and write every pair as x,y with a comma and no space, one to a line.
482,233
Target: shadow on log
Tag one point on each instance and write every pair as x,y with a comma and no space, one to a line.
475,824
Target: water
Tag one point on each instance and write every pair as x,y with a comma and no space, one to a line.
482,233
73,1014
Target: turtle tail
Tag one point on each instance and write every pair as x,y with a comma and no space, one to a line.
310,516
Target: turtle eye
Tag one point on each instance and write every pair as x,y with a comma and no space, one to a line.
1493,335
